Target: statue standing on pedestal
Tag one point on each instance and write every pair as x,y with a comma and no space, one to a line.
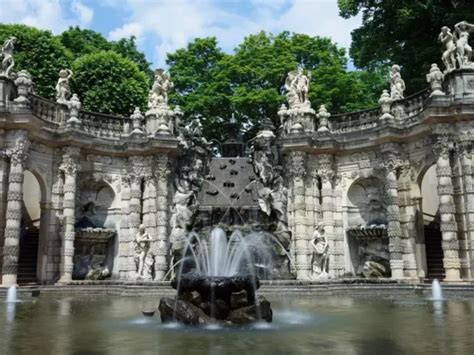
63,90
464,50
320,247
143,256
297,85
7,56
159,91
447,38
397,84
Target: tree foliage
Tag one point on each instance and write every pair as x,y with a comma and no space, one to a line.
403,32
109,83
251,81
40,53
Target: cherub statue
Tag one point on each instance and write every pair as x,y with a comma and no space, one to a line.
7,56
297,85
320,247
464,50
447,38
63,90
397,85
142,249
159,91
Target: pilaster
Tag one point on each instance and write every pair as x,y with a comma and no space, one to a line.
11,249
162,172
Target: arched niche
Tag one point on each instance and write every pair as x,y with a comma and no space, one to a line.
94,203
366,202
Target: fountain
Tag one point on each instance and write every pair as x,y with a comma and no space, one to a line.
216,284
11,295
436,291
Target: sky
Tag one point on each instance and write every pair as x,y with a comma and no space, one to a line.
162,26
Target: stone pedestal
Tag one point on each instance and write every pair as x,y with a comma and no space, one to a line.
298,120
460,84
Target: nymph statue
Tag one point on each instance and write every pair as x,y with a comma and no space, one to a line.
297,85
464,50
320,247
143,255
448,57
397,85
63,90
159,91
7,56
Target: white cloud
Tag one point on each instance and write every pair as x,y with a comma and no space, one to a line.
126,31
84,13
172,24
54,15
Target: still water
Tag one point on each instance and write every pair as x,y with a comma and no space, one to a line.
315,324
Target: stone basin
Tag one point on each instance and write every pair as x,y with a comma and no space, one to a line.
220,286
228,301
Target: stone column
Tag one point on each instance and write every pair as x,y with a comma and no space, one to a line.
297,172
338,228
448,226
326,174
465,157
134,215
11,248
69,167
125,238
407,221
55,228
149,208
390,164
4,167
162,172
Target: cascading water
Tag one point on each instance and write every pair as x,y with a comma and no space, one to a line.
11,294
436,291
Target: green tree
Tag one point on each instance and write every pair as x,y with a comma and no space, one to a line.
109,83
40,53
82,41
251,81
201,87
403,32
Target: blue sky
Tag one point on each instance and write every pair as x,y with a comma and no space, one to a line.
162,26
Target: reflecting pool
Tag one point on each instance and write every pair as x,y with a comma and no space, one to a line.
316,324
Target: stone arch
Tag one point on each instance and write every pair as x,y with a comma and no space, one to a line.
428,224
33,232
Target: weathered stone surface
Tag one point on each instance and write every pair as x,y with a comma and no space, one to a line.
217,287
253,313
185,312
238,300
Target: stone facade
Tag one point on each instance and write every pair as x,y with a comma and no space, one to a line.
350,182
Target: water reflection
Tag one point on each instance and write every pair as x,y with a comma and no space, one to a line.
317,324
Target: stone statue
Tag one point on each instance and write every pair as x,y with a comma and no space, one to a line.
297,85
7,57
159,91
143,255
192,167
320,255
464,50
272,197
397,85
63,90
435,78
447,38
